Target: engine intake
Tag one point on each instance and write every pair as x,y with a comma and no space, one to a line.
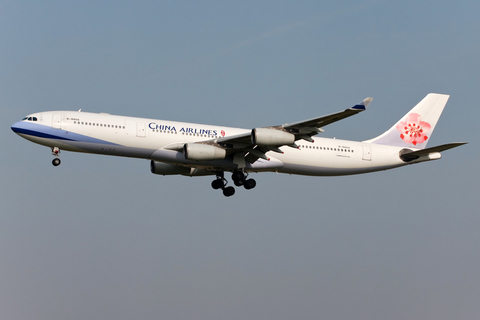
200,152
271,137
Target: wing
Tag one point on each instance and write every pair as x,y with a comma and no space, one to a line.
254,145
250,146
308,128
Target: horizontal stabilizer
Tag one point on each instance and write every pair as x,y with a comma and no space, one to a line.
408,155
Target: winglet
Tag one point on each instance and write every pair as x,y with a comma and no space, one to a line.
362,105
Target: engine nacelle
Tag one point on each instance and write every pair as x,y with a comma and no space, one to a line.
167,169
200,152
271,137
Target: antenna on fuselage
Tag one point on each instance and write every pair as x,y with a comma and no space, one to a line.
79,110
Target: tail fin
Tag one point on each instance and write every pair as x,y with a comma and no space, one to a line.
416,127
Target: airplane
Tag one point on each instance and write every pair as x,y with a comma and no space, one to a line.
190,149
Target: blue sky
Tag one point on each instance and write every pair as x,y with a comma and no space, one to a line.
102,238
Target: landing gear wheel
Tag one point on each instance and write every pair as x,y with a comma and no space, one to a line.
56,162
229,191
249,184
217,184
238,176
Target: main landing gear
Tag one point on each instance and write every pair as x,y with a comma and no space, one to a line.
239,179
55,151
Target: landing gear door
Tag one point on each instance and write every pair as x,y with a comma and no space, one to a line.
141,129
367,153
57,121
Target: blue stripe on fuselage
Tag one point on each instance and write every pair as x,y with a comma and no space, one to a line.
42,131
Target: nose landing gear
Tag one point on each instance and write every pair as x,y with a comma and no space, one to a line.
55,151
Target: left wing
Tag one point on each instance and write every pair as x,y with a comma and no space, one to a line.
308,128
250,146
262,140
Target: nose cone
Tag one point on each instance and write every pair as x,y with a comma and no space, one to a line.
17,127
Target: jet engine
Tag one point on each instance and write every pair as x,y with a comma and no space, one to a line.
167,169
271,137
199,152
171,169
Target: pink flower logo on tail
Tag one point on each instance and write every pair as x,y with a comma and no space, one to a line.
414,130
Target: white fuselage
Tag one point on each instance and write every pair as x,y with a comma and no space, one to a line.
150,138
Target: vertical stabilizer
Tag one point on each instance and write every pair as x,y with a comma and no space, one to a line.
416,127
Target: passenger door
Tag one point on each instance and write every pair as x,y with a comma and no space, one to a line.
141,129
367,153
57,121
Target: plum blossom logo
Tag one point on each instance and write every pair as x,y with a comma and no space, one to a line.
222,133
413,129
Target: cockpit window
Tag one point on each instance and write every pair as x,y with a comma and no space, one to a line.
30,119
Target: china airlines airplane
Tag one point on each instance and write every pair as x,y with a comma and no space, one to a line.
190,149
